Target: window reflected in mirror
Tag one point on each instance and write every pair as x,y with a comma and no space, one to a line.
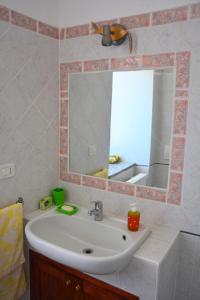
120,125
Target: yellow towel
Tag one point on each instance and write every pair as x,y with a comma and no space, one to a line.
103,173
113,159
12,279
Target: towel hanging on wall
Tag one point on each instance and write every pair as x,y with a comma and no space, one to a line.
12,278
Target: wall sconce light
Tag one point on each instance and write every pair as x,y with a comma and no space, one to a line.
114,34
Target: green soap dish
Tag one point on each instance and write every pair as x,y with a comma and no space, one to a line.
67,209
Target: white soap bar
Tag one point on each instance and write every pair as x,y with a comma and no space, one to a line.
67,208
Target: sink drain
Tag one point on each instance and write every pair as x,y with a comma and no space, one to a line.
87,251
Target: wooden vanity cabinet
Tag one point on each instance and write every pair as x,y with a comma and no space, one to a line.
50,280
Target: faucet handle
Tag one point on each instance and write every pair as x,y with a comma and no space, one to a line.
98,204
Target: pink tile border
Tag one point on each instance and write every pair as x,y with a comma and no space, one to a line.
160,60
63,113
137,21
96,65
181,62
180,117
23,21
64,94
126,63
177,157
4,13
175,188
94,182
61,34
151,193
66,68
182,69
63,167
77,31
48,30
119,187
161,17
71,67
63,141
170,15
73,178
195,11
182,94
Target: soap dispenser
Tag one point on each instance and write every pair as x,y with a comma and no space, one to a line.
133,218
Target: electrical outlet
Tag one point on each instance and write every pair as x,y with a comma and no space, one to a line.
7,171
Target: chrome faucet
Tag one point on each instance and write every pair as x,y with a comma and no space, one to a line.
97,211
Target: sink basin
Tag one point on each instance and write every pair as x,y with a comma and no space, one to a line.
82,243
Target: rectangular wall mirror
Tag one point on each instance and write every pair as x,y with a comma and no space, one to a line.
120,125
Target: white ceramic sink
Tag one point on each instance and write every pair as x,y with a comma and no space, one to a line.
67,239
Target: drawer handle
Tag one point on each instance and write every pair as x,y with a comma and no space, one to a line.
68,282
78,287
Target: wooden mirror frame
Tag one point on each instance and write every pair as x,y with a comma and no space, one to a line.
180,61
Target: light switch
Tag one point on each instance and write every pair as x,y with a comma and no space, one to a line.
92,151
7,171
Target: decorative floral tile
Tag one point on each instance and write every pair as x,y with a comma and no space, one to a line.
94,182
119,187
4,13
182,70
64,113
127,63
180,117
63,141
159,60
63,94
65,69
48,30
63,167
182,94
151,193
71,67
178,148
175,187
73,178
96,65
77,31
61,34
142,20
170,15
23,21
195,11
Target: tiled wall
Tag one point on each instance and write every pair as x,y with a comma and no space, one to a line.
28,107
169,31
188,279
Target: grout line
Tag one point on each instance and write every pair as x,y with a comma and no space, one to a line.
5,32
34,101
17,73
189,10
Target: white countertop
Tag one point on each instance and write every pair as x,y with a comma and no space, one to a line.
153,250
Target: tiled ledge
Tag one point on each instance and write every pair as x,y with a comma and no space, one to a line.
153,250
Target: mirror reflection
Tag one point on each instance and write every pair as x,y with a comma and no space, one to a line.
120,125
